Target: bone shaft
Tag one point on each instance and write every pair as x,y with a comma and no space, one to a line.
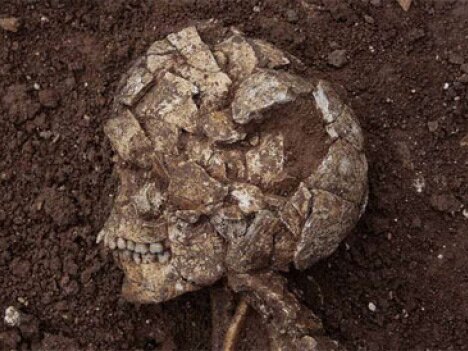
222,306
236,326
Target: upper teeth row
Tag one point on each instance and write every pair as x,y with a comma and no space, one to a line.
141,248
139,252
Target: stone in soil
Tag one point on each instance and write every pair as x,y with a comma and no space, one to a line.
337,58
12,317
10,24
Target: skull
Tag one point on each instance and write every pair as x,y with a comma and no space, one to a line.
228,162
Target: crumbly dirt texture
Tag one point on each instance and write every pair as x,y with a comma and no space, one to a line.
398,282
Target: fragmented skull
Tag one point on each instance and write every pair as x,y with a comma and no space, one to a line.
209,138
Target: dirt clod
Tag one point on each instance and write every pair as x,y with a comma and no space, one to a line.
445,203
48,98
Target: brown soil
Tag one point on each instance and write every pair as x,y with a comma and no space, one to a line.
306,142
408,256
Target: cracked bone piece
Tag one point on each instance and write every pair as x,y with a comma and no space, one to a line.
253,250
265,163
216,166
200,259
133,228
343,172
196,52
241,58
268,55
249,197
192,188
152,282
332,217
161,55
229,222
235,164
139,79
218,126
157,63
171,100
214,86
220,58
149,199
127,137
346,126
328,101
161,47
283,249
199,151
296,210
163,135
263,90
189,216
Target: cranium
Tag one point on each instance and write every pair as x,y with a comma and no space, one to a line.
230,165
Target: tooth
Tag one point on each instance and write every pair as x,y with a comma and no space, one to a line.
112,244
148,258
121,244
137,258
106,241
163,257
141,248
156,248
130,245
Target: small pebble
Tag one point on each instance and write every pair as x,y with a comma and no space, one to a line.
432,125
10,24
372,307
369,19
337,58
12,317
292,16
